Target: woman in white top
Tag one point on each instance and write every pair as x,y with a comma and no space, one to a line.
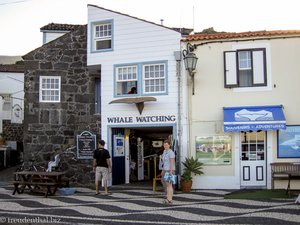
168,166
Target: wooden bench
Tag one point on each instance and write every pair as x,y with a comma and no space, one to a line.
47,188
280,170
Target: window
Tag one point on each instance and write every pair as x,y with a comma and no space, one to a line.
245,68
253,146
141,79
102,36
49,89
6,102
154,78
126,77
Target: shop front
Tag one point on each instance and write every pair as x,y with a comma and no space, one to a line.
136,147
255,127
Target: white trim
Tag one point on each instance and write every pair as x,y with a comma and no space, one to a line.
50,89
256,122
268,62
154,78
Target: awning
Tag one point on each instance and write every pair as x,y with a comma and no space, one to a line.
254,118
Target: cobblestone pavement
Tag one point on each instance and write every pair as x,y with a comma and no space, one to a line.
140,205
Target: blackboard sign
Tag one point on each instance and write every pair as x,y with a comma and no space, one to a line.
86,144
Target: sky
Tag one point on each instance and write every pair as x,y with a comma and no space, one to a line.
21,20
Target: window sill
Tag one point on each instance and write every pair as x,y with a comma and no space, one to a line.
252,89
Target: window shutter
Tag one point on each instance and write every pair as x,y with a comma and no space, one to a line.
230,70
259,74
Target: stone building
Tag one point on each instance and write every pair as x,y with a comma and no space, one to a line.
60,103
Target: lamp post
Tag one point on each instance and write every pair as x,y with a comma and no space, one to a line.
190,62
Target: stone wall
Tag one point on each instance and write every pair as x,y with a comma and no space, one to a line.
51,128
13,131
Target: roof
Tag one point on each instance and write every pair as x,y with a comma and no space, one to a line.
249,34
13,68
59,27
29,55
182,31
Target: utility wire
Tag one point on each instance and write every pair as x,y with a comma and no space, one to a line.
15,2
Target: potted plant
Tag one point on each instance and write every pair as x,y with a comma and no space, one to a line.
191,166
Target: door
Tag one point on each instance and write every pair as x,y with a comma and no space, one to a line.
118,156
253,159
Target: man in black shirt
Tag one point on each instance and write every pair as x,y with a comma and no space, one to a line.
101,166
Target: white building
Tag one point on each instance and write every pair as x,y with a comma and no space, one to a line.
11,93
127,52
246,94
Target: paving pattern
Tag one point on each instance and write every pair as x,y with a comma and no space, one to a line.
128,205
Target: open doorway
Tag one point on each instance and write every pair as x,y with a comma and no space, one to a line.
142,148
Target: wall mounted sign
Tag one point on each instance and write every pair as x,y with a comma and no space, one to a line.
214,150
253,118
141,119
289,142
86,144
119,146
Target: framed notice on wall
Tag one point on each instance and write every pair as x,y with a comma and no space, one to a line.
289,142
214,150
86,144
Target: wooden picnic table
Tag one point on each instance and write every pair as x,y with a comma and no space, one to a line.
36,181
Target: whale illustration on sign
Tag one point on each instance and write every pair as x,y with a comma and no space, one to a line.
294,143
247,115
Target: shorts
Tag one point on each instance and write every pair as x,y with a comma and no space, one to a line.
101,173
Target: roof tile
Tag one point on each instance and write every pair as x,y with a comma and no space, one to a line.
201,36
59,26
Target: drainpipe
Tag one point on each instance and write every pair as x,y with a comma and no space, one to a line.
177,55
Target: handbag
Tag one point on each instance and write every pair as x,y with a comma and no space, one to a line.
170,178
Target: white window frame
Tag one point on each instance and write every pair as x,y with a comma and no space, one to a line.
50,89
257,68
246,60
156,77
124,76
254,147
105,35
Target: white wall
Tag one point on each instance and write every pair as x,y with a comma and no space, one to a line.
50,36
206,106
134,41
13,84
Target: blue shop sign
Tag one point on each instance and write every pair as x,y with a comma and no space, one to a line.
254,118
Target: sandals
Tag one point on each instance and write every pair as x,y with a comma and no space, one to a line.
167,202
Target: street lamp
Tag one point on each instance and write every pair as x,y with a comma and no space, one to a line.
190,61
